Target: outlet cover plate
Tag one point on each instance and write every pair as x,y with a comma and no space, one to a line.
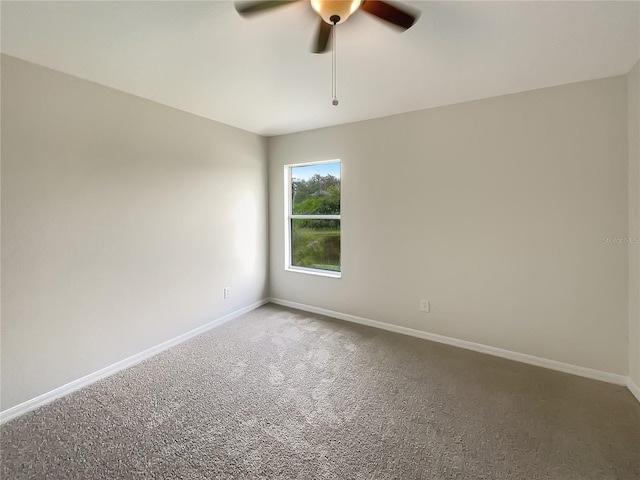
424,306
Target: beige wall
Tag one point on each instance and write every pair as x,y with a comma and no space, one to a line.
122,221
495,210
633,98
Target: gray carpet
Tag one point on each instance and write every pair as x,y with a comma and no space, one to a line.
283,394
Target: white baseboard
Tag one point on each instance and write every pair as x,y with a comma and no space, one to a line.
477,347
48,397
634,389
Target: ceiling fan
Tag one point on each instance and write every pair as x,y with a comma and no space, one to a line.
334,12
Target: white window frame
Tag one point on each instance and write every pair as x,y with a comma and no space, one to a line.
288,216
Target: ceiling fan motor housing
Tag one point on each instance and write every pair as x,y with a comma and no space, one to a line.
335,12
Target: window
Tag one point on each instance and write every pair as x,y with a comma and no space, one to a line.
312,209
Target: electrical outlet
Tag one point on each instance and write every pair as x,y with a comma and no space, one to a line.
227,292
424,306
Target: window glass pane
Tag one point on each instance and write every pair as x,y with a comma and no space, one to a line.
315,244
315,189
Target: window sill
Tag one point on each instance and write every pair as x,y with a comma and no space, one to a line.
313,271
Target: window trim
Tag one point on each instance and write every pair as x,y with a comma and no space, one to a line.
288,216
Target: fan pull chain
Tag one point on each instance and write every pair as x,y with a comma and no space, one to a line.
334,67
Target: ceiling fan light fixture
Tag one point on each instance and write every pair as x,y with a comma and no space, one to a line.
328,9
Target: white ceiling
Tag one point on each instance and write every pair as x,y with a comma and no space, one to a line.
258,74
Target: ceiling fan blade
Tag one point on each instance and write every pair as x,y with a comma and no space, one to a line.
249,8
389,13
322,39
